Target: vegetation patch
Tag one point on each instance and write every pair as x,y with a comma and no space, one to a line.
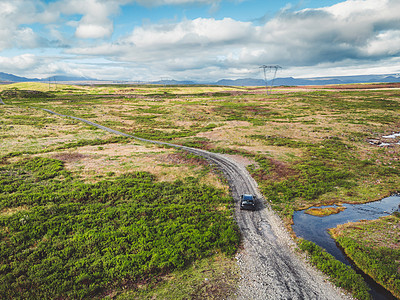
183,157
325,211
215,277
78,240
69,156
305,180
63,146
17,93
374,246
269,169
200,143
327,168
341,275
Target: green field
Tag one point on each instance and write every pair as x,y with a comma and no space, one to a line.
64,238
306,147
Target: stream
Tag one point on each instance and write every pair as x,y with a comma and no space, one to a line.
315,229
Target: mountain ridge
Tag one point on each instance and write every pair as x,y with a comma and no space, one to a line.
286,81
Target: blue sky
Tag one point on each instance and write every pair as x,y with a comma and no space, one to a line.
201,40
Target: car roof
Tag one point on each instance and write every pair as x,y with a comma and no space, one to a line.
247,197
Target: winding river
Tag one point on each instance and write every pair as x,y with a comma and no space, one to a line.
315,229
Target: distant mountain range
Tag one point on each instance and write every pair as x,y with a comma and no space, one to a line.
289,81
12,78
174,82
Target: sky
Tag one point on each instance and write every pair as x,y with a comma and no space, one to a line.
200,40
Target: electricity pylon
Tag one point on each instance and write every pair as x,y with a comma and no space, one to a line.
270,69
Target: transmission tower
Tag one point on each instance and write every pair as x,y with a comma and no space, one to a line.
54,81
270,70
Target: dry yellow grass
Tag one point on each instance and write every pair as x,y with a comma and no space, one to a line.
28,130
10,211
326,211
91,163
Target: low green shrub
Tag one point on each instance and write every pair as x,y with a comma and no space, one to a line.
381,264
341,275
69,239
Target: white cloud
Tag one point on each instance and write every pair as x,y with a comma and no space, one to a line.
349,30
96,15
384,44
12,15
175,2
355,8
20,62
96,21
95,18
93,31
26,38
195,32
346,33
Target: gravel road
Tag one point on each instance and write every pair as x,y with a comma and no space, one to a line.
1,102
269,267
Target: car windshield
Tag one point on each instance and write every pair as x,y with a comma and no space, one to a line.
248,197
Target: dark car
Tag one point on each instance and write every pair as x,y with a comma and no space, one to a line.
248,202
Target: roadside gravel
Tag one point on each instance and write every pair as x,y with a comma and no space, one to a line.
270,269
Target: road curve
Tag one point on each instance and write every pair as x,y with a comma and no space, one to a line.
268,265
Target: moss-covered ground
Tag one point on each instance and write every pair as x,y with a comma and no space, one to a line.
375,248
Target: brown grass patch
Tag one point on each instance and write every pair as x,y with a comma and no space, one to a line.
183,158
244,161
70,156
95,163
10,211
278,171
326,211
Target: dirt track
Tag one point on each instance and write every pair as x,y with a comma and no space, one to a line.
269,267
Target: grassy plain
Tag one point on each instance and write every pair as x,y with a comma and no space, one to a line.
303,136
307,146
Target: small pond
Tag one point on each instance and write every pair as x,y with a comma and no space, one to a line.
315,229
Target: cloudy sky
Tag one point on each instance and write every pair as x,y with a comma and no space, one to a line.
198,39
